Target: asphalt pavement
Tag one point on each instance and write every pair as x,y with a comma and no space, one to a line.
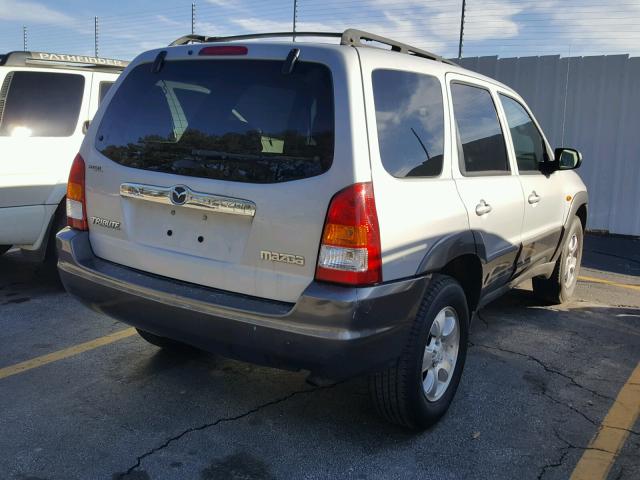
537,385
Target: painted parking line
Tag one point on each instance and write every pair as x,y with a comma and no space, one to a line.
65,353
609,282
603,449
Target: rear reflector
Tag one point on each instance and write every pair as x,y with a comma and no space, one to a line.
224,50
76,207
350,249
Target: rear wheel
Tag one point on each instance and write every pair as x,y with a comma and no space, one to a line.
561,285
418,389
4,249
162,342
58,223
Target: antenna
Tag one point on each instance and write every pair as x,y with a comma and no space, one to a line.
295,14
464,7
193,18
95,36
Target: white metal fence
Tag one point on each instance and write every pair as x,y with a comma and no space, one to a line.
593,104
503,27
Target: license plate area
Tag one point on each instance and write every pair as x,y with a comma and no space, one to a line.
211,235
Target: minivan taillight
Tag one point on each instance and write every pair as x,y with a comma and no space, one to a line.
76,206
350,248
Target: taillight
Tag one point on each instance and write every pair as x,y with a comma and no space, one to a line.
224,50
76,206
350,248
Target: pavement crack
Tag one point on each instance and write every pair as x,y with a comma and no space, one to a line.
570,407
634,432
216,422
558,463
546,368
570,445
482,319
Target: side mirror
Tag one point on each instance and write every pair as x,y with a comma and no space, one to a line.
568,158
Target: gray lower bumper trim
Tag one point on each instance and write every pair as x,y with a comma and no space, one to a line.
333,331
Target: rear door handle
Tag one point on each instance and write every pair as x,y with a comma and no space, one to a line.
483,208
533,198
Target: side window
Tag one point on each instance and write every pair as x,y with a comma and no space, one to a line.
528,143
104,88
40,104
410,122
480,137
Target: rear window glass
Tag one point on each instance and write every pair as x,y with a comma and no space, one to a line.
410,121
238,120
40,104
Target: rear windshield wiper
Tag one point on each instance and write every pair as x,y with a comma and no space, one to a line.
290,62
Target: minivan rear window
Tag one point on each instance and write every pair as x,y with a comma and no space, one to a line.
237,120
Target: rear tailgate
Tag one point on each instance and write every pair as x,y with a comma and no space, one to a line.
218,170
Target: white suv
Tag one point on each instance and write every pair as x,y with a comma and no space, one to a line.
335,208
46,100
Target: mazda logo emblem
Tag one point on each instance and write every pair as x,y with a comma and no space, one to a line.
178,195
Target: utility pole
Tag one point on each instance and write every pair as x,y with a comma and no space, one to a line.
24,38
95,37
464,6
295,14
193,18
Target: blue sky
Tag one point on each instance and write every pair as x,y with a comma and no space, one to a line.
493,27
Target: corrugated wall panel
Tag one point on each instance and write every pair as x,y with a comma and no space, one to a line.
625,216
593,104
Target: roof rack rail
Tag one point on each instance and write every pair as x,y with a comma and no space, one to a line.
45,59
351,36
355,37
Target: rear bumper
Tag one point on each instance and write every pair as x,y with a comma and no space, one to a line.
334,332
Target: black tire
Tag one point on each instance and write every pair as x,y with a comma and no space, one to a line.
162,342
58,223
4,249
397,392
556,289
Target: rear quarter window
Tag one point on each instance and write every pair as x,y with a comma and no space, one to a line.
237,120
40,104
410,122
104,89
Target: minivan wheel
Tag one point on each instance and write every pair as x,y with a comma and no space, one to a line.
561,285
162,342
418,389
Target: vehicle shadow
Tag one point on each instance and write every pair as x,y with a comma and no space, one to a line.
613,254
346,407
21,277
520,306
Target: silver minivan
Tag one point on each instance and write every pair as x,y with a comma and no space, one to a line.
336,208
